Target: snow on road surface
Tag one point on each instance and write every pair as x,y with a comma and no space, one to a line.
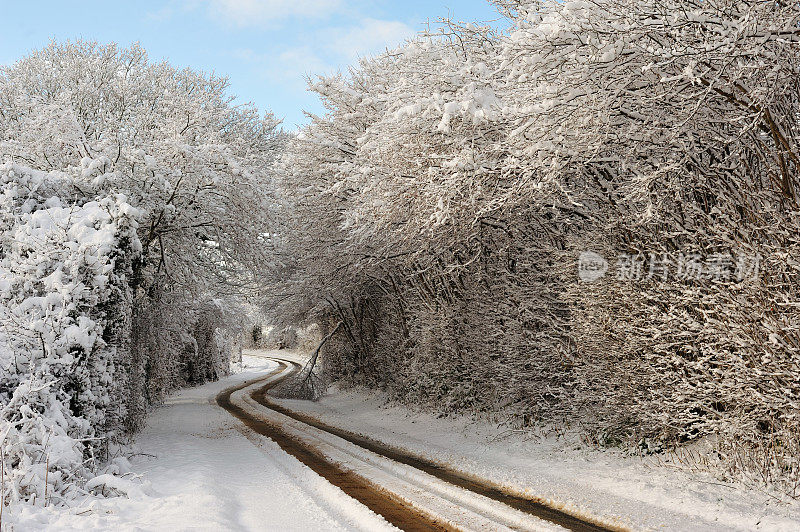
449,505
203,470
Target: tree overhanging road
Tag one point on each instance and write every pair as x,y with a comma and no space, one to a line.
408,491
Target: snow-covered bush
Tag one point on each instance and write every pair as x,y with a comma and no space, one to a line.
65,289
293,337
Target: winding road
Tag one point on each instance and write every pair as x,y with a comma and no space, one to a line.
408,491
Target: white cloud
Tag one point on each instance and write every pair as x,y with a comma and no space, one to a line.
369,37
258,12
172,9
320,51
289,67
326,51
303,60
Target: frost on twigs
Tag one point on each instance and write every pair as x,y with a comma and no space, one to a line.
132,217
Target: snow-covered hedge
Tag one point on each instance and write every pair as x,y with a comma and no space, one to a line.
65,290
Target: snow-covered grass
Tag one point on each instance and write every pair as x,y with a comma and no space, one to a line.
195,467
643,493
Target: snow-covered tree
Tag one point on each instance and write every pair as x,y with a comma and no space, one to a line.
135,213
455,181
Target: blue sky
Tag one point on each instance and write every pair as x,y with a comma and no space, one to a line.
265,47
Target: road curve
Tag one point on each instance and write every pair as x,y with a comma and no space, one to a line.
393,510
408,491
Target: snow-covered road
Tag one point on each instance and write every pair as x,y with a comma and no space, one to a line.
227,478
427,500
203,470
640,493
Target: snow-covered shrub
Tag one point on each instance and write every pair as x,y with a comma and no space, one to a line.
707,166
215,336
292,337
281,338
65,271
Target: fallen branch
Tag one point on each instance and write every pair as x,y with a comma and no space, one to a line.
306,384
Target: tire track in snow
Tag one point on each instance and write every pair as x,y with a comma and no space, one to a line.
394,510
415,492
